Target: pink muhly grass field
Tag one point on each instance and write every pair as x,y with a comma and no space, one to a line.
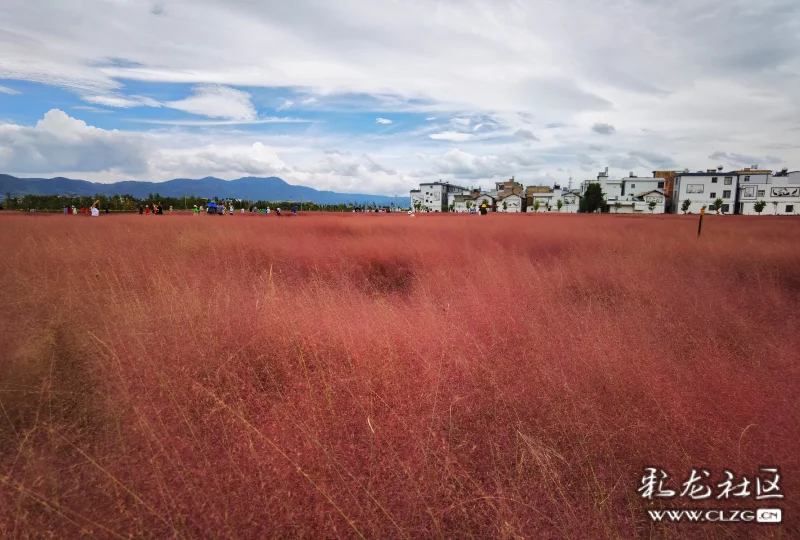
348,375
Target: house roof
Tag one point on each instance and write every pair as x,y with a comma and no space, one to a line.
715,173
643,193
537,189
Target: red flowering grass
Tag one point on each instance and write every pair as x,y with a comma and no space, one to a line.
385,376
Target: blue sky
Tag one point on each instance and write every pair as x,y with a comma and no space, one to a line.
380,96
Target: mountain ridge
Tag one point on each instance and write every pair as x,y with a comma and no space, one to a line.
270,188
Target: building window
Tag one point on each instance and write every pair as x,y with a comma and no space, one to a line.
726,194
760,192
790,208
714,180
713,195
746,179
726,208
729,180
661,185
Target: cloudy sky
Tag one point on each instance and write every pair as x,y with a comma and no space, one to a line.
380,95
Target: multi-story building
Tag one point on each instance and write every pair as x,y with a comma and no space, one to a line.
433,196
546,197
632,184
703,188
669,182
781,193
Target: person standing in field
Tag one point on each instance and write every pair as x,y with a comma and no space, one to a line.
278,211
147,209
95,209
294,210
231,209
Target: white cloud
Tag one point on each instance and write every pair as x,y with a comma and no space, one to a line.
61,143
464,165
383,121
254,121
9,91
125,102
454,136
287,103
430,118
217,101
89,108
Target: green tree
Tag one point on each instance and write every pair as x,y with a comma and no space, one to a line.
548,206
717,206
617,206
559,204
505,206
652,206
593,199
759,206
469,205
452,207
536,204
685,205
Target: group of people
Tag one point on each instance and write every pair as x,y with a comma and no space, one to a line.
158,209
94,210
220,209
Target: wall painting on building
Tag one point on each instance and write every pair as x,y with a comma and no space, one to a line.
785,192
694,188
749,192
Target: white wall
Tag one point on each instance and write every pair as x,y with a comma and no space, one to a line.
782,191
633,186
513,204
434,197
657,198
703,190
571,203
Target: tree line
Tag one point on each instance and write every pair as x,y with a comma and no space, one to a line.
129,203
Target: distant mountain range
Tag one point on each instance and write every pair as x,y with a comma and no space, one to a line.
250,188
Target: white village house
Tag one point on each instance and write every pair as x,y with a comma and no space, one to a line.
781,194
739,190
433,196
